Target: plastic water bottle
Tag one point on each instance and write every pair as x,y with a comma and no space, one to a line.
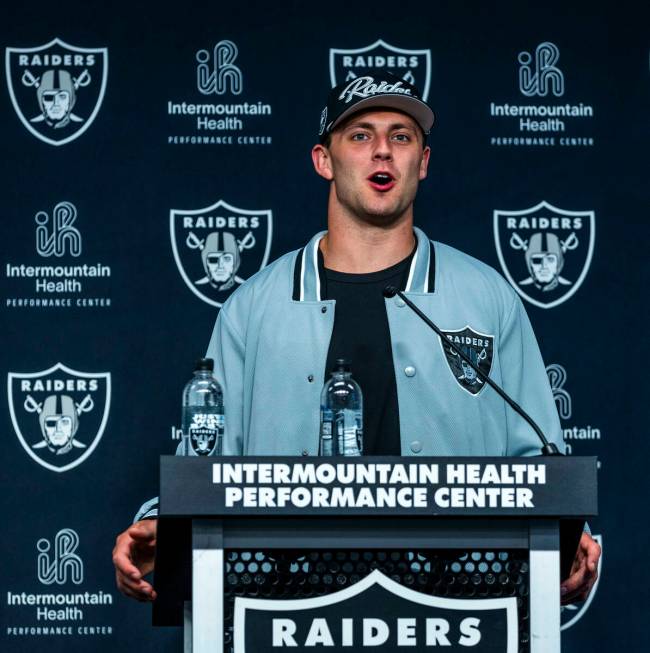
203,421
341,414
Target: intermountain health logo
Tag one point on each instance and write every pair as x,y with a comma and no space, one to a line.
215,109
59,563
56,89
544,118
56,274
581,439
59,415
216,71
545,252
540,75
58,236
218,247
59,601
414,66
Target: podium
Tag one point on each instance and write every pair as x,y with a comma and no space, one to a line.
272,553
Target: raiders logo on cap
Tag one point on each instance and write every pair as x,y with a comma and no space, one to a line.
376,89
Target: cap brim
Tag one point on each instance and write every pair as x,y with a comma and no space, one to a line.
418,110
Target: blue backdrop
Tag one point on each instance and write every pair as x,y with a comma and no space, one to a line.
133,132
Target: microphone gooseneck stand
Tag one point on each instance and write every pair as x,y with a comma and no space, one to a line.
548,448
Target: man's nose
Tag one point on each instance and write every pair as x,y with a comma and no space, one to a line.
383,150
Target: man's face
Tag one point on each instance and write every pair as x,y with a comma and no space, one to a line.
221,266
544,266
56,104
376,160
58,429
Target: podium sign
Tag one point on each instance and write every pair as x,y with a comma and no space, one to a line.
377,486
377,614
294,512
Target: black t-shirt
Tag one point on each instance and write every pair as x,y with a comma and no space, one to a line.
361,335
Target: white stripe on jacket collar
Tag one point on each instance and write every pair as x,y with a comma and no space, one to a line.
418,278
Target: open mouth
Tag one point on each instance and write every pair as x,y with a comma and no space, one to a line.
381,181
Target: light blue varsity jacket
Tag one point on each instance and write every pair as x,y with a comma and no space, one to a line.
272,335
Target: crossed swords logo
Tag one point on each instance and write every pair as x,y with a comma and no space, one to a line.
194,242
408,77
518,243
83,80
33,406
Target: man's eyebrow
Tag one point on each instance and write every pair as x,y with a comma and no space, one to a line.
371,126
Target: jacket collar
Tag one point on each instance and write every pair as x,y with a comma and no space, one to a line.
307,282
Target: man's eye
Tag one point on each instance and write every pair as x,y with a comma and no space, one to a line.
359,136
402,137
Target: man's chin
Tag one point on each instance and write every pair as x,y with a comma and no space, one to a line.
381,218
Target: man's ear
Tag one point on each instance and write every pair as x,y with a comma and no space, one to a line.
320,156
424,163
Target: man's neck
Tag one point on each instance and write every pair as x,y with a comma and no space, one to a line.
359,248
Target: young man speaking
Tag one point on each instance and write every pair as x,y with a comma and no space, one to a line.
277,336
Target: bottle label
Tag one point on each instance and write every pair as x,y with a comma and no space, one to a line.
206,433
349,433
341,432
326,433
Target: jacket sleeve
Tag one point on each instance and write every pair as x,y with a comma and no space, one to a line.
148,510
525,380
227,349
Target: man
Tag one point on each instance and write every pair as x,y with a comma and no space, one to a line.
277,336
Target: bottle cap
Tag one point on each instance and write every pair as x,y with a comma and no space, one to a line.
204,364
342,365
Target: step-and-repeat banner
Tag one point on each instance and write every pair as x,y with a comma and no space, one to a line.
142,142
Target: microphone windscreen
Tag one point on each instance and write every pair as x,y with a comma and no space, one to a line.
390,291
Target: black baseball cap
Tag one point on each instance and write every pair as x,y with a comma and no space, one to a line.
377,88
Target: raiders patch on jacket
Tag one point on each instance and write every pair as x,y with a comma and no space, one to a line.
478,347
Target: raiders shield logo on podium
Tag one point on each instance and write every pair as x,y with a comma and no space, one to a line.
375,614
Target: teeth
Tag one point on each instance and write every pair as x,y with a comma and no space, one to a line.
381,178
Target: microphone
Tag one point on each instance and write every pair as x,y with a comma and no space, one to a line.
548,448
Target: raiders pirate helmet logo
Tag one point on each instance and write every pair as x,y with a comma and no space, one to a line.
414,66
56,89
545,252
58,417
221,257
59,414
218,247
478,347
